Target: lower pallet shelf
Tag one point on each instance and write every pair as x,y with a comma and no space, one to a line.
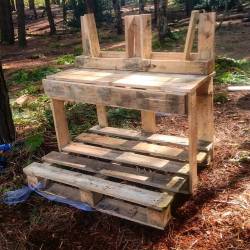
133,178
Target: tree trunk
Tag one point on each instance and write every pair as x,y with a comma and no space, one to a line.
33,7
156,8
90,6
141,6
50,17
13,6
21,23
163,29
122,2
118,16
6,22
188,7
64,11
7,129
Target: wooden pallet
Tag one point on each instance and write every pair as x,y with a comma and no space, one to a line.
126,173
128,178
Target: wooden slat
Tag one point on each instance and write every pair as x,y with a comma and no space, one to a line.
165,182
115,96
128,158
193,139
60,122
115,207
101,115
153,138
125,192
129,35
143,80
90,33
172,153
190,34
148,65
206,35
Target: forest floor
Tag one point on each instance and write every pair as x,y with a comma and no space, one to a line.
217,216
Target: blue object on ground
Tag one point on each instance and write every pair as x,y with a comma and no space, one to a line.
22,194
5,147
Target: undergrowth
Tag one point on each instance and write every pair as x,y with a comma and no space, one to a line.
232,72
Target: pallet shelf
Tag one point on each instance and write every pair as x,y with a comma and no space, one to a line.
126,173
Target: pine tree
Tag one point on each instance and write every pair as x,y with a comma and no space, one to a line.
21,23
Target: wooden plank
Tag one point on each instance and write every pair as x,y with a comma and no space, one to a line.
113,54
206,35
166,182
125,192
239,88
134,213
148,65
91,34
148,121
102,115
115,96
109,206
145,35
129,35
85,39
143,80
172,56
60,122
190,34
193,139
153,138
128,158
172,153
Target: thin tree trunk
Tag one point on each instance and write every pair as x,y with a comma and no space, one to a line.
163,29
7,129
188,7
21,23
156,8
90,6
33,7
50,17
141,6
122,2
64,11
6,22
13,6
118,16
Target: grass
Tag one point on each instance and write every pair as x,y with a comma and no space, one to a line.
29,76
230,71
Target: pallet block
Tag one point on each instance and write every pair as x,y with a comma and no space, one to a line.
126,173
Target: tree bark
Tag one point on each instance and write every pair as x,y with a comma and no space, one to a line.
156,8
64,11
13,6
188,7
33,7
6,22
141,6
50,17
90,6
7,129
163,29
118,16
21,23
122,2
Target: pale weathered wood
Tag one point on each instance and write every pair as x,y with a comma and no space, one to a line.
128,158
172,153
92,198
143,80
148,121
89,31
85,38
206,34
153,138
129,35
157,218
114,96
125,192
175,66
190,34
193,138
102,115
166,182
60,122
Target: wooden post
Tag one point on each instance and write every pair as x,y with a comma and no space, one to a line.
130,36
91,46
190,34
192,125
206,33
60,121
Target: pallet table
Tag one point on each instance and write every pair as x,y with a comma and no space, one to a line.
132,174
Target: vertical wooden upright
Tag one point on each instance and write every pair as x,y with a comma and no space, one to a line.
138,40
91,46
